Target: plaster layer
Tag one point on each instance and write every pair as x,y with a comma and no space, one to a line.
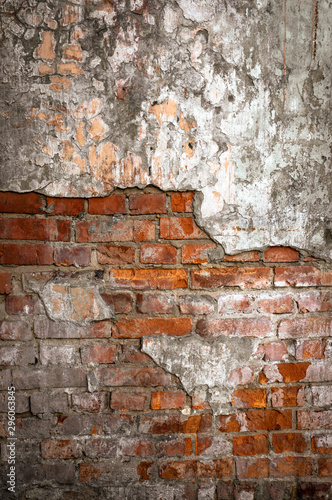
231,99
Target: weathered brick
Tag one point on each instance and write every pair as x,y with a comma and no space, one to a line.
32,428
175,424
241,376
235,302
137,327
196,254
249,398
252,468
120,302
281,254
251,445
57,354
64,206
45,402
115,254
94,425
287,396
182,202
319,372
324,467
26,255
293,372
22,305
72,256
133,354
248,327
21,203
310,349
144,230
45,329
321,395
91,402
49,377
113,204
128,401
156,303
302,276
243,277
55,473
59,448
138,279
210,447
152,203
243,257
192,469
274,351
314,419
35,229
196,304
15,330
315,301
180,228
291,466
175,447
158,254
5,379
113,229
98,353
5,283
305,327
112,447
166,400
289,442
21,403
256,420
312,490
321,443
275,304
143,376
17,355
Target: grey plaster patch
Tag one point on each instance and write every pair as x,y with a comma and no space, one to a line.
208,366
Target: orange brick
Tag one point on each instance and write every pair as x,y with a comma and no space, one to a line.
248,327
281,254
180,228
291,466
243,277
256,420
196,254
287,396
243,257
182,202
138,327
165,400
139,279
289,442
324,467
249,398
251,445
158,254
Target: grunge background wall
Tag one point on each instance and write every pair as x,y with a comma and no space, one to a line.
166,249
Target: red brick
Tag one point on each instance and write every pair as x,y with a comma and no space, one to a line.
248,327
114,204
251,445
35,229
192,469
324,467
180,228
128,401
72,256
314,419
315,301
21,203
291,466
15,330
281,254
91,402
243,257
275,351
321,443
196,304
252,468
249,398
152,203
311,349
155,303
289,442
256,420
98,353
278,304
115,254
175,447
165,400
138,327
236,302
196,254
5,283
127,376
287,396
133,354
65,206
22,305
158,254
182,202
302,276
293,372
243,277
140,279
121,302
26,255
59,448
175,424
144,230
305,327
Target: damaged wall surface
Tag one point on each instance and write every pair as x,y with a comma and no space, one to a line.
230,99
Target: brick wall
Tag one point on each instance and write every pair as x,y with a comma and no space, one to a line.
96,417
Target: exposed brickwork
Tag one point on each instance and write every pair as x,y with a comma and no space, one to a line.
91,405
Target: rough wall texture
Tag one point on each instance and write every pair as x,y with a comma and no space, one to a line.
229,98
148,365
